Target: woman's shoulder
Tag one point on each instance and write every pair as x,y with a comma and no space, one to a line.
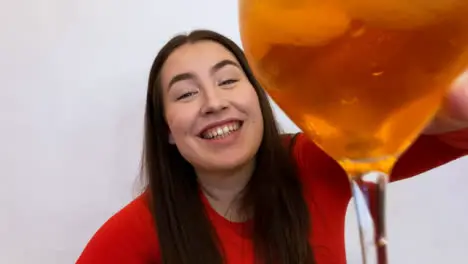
306,153
316,169
128,236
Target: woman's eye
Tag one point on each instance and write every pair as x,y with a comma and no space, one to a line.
186,95
228,82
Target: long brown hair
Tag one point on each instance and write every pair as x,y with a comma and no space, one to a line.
281,225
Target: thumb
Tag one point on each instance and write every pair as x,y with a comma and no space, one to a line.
457,99
453,114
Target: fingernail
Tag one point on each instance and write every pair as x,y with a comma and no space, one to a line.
462,81
458,98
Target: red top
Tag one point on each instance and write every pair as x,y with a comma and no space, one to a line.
129,237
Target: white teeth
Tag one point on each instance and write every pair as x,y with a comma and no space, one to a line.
221,131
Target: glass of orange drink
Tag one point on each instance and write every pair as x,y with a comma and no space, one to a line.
361,78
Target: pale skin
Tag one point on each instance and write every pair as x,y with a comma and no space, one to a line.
203,84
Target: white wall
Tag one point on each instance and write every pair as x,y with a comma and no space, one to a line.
72,86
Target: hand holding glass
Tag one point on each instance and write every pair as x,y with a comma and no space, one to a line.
362,78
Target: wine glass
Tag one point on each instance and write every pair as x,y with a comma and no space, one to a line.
361,78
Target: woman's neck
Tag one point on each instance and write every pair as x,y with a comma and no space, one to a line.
224,190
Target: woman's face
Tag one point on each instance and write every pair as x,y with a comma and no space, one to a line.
211,108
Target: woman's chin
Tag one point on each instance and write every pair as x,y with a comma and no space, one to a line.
229,163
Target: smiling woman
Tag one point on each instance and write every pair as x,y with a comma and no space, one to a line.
201,84
222,185
206,93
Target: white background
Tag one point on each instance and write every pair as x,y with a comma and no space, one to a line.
72,88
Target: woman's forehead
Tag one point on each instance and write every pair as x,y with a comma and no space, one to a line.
195,58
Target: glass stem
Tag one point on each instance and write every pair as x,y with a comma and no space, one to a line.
369,192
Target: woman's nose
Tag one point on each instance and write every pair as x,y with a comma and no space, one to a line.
214,102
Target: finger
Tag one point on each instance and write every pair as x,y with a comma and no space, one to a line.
454,112
456,105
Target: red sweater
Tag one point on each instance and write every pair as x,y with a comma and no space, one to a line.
129,237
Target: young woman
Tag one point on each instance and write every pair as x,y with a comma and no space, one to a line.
223,185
